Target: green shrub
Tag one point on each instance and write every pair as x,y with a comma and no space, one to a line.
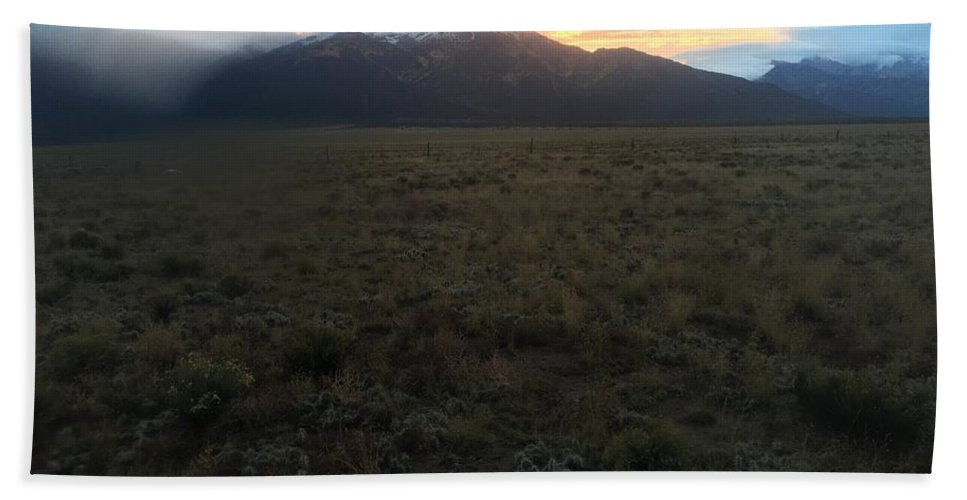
467,433
200,387
162,306
180,265
50,294
274,250
315,348
752,457
83,353
84,239
306,266
159,346
824,320
824,243
532,331
724,324
198,237
112,251
640,289
538,457
83,268
865,404
881,248
268,457
651,445
421,432
55,241
233,286
700,418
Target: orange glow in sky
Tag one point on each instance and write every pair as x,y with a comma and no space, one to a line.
667,43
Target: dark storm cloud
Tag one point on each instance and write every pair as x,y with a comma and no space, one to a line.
146,67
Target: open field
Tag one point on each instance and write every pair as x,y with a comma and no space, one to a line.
352,301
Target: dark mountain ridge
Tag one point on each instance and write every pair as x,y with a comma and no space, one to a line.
489,77
469,78
898,90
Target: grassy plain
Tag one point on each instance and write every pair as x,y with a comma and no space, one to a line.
350,301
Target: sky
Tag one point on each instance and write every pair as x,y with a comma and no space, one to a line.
748,52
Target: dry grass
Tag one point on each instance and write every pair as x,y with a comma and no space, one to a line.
543,302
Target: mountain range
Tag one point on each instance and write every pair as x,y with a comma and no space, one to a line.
486,77
898,90
469,78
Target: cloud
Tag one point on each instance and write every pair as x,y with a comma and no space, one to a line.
155,68
667,43
879,44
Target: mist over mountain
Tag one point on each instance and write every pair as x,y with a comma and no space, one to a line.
897,90
94,83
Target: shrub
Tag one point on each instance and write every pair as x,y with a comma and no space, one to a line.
538,457
421,432
752,457
640,289
864,404
724,324
52,293
234,286
306,266
824,243
882,247
822,319
84,239
700,418
198,237
279,456
179,265
677,307
162,306
533,331
200,387
82,268
851,165
159,346
470,432
652,445
112,251
315,348
55,241
83,353
274,250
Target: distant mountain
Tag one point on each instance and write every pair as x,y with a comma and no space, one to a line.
481,78
899,90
